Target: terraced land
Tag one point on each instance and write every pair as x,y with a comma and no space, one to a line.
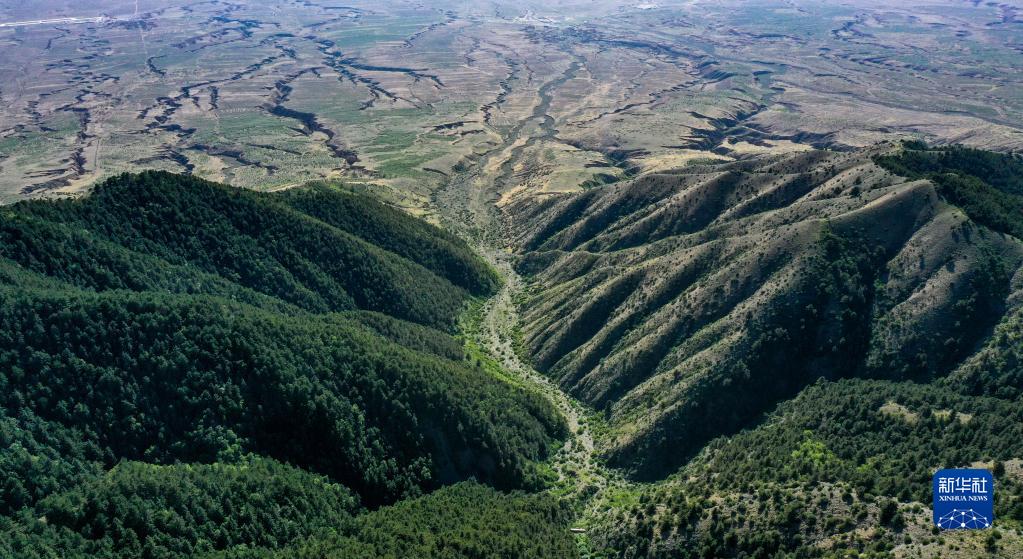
402,95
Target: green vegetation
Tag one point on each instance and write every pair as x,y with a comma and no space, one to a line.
988,186
187,368
437,525
875,451
784,351
145,510
820,329
437,250
143,232
258,508
997,369
823,465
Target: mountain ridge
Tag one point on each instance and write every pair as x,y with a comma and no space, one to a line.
650,318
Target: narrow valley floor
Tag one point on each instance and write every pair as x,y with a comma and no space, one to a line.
581,477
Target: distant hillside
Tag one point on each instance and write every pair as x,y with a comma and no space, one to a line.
312,249
187,367
686,304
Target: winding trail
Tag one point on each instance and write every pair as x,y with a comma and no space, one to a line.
497,335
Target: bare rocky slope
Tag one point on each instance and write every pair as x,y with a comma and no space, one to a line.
686,304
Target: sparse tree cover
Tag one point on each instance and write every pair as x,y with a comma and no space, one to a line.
780,284
186,368
790,374
997,369
842,455
821,330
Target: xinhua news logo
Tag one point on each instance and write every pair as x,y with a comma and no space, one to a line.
964,499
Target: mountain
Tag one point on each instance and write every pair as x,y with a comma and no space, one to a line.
688,303
805,334
189,368
776,352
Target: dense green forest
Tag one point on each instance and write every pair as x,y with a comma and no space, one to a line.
464,520
988,186
146,232
187,367
191,370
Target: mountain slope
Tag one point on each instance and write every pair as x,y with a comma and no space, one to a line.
686,304
144,232
187,352
437,525
842,470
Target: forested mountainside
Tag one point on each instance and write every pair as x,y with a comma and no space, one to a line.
788,345
188,368
841,470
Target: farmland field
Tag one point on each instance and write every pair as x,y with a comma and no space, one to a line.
551,97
